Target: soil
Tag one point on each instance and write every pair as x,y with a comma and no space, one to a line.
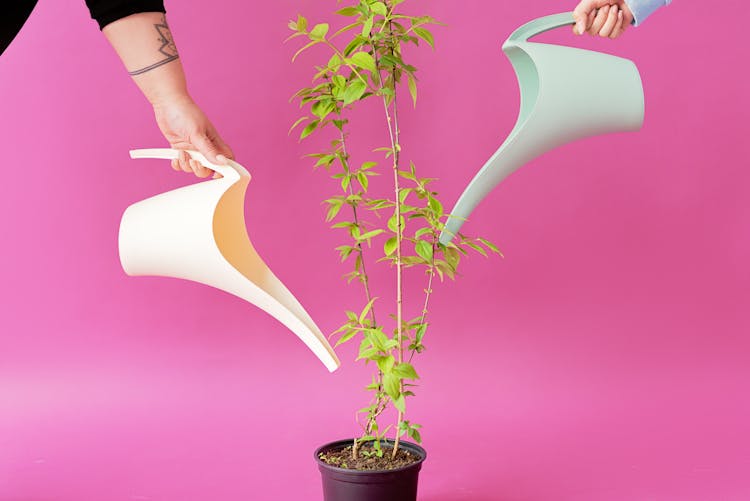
367,459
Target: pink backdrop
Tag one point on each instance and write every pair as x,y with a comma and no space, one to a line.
605,358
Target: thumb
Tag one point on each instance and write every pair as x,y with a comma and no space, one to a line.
224,149
213,148
207,148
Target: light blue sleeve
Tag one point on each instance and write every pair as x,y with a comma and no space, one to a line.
643,8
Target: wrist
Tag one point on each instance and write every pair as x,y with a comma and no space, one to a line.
170,99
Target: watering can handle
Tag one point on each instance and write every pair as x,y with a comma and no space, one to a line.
541,25
231,170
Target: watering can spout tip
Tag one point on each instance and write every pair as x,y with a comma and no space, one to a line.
333,364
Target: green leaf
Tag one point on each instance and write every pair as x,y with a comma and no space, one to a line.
301,23
363,60
424,249
379,8
411,81
339,81
309,129
333,210
414,433
407,175
421,332
490,246
425,35
390,246
371,234
294,126
322,108
367,28
354,91
393,225
348,11
346,337
363,181
405,371
334,63
392,385
367,353
400,403
475,247
452,257
366,310
436,207
377,339
427,230
319,32
385,364
353,45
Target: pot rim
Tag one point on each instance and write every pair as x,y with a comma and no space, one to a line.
333,445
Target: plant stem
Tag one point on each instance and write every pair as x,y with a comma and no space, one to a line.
394,133
365,277
366,284
428,291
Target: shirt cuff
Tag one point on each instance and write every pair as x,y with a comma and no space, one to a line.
641,9
109,11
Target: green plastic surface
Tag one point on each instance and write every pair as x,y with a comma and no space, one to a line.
566,95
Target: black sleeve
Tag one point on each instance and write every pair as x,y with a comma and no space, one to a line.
107,11
12,17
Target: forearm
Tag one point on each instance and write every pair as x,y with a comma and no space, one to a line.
145,45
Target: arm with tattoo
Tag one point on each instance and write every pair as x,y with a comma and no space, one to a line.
145,44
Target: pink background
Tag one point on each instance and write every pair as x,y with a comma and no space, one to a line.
605,358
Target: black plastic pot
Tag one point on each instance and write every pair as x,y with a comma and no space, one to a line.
341,484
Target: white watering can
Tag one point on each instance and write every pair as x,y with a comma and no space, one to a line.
198,233
566,94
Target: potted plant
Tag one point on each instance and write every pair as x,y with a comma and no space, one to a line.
365,60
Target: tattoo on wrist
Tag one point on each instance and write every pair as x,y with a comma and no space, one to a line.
168,49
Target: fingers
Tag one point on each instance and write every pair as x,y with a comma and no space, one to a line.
199,170
214,149
604,18
584,13
599,20
184,163
619,27
610,22
590,19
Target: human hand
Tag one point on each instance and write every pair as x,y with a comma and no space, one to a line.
186,127
606,18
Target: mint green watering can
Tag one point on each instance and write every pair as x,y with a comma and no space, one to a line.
566,94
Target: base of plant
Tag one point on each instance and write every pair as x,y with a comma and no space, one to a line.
394,482
368,458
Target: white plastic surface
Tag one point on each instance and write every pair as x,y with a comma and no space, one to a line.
198,233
